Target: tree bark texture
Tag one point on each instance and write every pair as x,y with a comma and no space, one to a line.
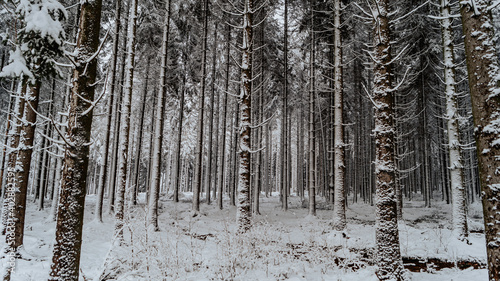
243,205
66,255
482,66
389,260
339,158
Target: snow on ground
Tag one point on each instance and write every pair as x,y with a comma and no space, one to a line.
280,246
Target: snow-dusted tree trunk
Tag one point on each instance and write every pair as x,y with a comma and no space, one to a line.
235,167
60,149
268,160
139,137
482,66
312,134
56,185
258,136
43,182
222,174
9,121
154,195
300,152
389,260
19,181
6,139
112,183
284,113
209,174
243,205
339,165
123,155
8,150
32,60
151,152
201,113
178,167
14,136
66,257
106,145
455,155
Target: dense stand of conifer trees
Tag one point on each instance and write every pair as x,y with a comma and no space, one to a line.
341,101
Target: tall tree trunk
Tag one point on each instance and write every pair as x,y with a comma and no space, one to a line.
21,172
233,187
44,180
60,149
57,174
178,167
151,150
14,137
258,135
210,173
106,146
339,161
137,161
201,113
284,113
118,116
300,151
312,139
222,174
482,66
268,160
36,176
425,139
455,154
6,140
243,207
152,218
124,151
66,257
389,260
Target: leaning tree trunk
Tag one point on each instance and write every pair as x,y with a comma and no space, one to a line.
152,218
66,257
455,154
123,155
482,66
389,260
243,205
339,165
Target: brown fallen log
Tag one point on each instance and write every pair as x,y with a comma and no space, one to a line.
435,264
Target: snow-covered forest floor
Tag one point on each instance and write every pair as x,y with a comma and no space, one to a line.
280,246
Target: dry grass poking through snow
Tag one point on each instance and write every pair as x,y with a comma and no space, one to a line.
185,251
